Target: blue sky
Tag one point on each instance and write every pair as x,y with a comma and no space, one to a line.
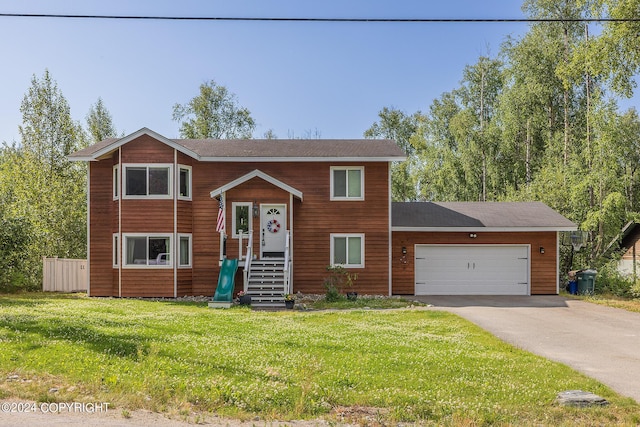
294,77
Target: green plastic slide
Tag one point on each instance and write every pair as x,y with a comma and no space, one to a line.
224,291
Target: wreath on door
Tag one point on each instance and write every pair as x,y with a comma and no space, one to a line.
273,226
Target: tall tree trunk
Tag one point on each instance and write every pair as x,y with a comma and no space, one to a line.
566,99
527,161
588,94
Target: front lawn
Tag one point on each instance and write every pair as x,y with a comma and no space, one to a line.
612,301
410,365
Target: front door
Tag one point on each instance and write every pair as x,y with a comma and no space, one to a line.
273,228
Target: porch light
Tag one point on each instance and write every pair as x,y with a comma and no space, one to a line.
472,235
256,211
404,250
541,250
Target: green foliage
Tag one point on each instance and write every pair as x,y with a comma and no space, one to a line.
213,113
99,123
409,366
398,126
15,241
537,122
609,281
338,279
43,194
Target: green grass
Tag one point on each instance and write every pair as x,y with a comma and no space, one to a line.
386,365
612,301
363,301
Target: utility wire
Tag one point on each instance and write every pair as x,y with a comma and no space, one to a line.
282,19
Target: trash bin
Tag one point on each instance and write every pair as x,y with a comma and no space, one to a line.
573,287
586,282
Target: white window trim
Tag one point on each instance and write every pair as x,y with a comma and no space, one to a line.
332,249
115,250
169,166
125,236
116,182
235,234
189,236
189,179
347,168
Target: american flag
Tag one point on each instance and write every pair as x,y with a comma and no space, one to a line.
220,222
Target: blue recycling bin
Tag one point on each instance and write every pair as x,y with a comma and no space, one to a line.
573,287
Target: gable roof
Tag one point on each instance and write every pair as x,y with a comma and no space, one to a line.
264,150
257,174
474,216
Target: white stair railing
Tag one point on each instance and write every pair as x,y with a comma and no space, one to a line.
287,264
247,260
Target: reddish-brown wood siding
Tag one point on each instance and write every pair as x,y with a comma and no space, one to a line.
101,234
315,219
146,149
184,282
543,266
147,282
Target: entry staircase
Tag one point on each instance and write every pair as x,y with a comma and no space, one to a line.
266,284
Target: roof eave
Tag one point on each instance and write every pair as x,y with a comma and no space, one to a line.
240,159
485,229
144,131
257,174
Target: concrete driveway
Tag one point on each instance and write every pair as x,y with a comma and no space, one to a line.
601,342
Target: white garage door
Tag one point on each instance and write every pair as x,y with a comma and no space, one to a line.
472,270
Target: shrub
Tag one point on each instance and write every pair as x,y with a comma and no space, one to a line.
17,267
610,281
339,278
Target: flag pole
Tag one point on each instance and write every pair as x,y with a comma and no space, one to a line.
220,225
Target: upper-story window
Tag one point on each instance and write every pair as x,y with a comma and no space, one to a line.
347,183
147,181
184,182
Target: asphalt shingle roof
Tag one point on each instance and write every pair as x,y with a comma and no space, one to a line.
238,149
477,215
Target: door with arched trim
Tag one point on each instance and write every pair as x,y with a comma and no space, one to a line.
273,228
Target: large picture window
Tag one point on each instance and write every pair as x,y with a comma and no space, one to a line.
147,181
147,250
347,183
347,250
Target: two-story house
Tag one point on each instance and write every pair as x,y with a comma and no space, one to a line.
154,206
163,214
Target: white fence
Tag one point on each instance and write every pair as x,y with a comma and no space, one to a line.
64,275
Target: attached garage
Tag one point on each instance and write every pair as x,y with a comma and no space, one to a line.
472,270
476,248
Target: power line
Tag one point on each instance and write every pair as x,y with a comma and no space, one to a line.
283,19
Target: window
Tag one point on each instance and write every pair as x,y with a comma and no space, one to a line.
184,182
147,250
347,250
147,181
347,183
116,250
184,250
116,182
241,217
